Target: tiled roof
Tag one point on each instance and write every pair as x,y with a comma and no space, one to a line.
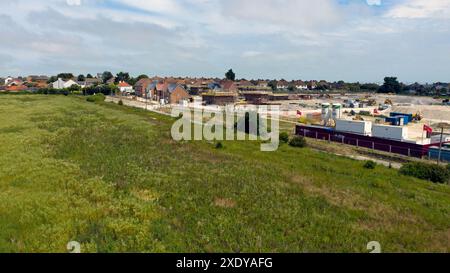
124,84
17,88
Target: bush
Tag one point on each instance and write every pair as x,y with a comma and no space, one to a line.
96,98
219,145
284,137
103,89
120,102
298,141
370,165
431,172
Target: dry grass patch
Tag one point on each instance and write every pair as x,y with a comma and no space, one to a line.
224,203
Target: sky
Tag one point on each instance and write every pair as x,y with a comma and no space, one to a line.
350,40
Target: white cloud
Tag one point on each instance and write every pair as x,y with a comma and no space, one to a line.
73,2
318,39
295,14
374,2
414,9
251,54
164,6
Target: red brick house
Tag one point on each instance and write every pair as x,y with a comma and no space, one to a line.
172,93
178,94
141,86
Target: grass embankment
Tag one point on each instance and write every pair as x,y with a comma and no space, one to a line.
111,178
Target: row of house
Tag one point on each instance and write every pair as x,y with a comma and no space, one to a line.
174,90
31,83
16,84
213,91
162,91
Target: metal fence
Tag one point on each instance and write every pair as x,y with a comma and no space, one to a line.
407,149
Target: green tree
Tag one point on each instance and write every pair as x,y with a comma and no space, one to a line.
122,77
81,78
133,81
273,85
370,87
89,76
52,79
391,85
107,76
230,75
65,76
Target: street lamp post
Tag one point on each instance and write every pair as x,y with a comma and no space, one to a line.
440,145
146,100
441,126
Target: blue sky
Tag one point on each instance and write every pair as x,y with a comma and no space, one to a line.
352,40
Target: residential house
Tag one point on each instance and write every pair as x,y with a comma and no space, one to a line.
282,84
88,82
229,86
124,87
160,92
244,83
300,85
111,81
163,92
14,82
312,85
263,83
38,81
60,84
16,88
141,87
177,94
8,80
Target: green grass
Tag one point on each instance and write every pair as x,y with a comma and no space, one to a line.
111,178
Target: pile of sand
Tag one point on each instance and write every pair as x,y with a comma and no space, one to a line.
431,112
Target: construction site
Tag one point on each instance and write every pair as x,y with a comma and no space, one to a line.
394,124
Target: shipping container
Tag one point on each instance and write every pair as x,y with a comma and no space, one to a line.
390,132
408,117
397,121
354,126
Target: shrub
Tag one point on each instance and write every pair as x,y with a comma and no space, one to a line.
284,137
120,102
96,98
431,172
370,165
219,145
298,141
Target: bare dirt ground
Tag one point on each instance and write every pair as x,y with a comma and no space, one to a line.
431,112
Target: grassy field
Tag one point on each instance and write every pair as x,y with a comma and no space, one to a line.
111,178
